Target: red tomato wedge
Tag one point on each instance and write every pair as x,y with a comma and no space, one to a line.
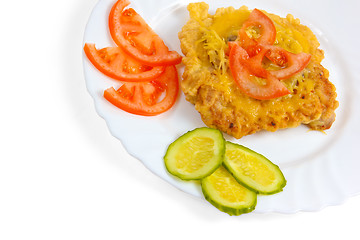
291,63
147,98
245,79
253,63
264,27
129,31
115,63
247,55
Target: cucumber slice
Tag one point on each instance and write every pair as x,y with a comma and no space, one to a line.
253,170
226,194
196,154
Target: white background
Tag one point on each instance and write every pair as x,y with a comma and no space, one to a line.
63,176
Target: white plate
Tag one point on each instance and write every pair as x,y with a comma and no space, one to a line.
321,169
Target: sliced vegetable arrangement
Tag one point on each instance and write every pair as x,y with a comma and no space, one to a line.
129,30
254,44
146,98
115,63
141,60
226,194
231,175
253,170
196,154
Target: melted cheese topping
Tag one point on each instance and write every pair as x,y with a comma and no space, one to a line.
208,83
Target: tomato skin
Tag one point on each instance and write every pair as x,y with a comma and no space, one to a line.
247,54
253,63
160,56
143,98
116,72
292,63
242,76
266,27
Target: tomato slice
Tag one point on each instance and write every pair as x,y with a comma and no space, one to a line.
273,88
291,63
262,25
147,98
247,55
253,63
129,30
115,63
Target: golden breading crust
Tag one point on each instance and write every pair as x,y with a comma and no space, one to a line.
208,84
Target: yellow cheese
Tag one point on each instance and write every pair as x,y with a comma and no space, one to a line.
208,83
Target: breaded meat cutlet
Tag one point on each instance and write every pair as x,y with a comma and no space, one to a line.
208,84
